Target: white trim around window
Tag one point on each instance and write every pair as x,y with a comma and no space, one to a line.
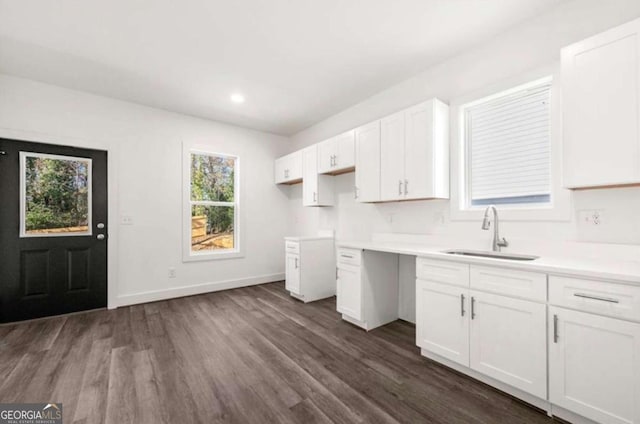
188,255
559,209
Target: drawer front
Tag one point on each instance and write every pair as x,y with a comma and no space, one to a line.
291,246
349,256
615,300
443,272
509,282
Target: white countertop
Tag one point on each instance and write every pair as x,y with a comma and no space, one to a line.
306,238
608,269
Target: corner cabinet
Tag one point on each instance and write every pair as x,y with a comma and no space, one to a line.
601,116
317,189
288,169
414,152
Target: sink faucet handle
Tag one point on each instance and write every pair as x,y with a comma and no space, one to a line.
503,242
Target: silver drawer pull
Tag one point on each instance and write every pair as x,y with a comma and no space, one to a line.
346,256
604,299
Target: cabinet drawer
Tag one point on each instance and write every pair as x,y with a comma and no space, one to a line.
509,282
349,256
443,272
616,300
292,247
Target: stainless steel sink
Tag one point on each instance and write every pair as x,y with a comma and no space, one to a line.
492,255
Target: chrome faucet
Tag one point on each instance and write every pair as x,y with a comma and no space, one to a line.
497,241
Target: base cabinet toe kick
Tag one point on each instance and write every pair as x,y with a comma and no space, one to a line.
567,345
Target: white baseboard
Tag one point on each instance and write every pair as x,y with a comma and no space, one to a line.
155,295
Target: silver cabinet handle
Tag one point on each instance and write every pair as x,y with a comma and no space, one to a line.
601,298
406,187
314,197
400,187
555,328
473,307
462,305
296,263
346,256
100,236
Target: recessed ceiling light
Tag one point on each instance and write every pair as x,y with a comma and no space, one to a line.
237,98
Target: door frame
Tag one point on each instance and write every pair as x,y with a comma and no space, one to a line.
100,143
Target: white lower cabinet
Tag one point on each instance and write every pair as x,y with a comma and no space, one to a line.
292,273
594,366
501,337
442,325
349,291
309,268
367,287
508,341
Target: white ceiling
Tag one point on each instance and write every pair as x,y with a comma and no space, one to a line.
296,61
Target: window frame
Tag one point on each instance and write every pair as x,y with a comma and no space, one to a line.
559,207
189,255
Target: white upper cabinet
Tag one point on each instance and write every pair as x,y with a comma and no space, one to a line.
415,153
288,169
337,155
368,162
317,190
601,113
392,157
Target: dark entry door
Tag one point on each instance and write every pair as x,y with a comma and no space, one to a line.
53,234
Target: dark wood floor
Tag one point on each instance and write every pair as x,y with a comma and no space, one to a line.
250,355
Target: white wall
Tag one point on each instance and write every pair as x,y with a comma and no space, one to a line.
522,50
145,147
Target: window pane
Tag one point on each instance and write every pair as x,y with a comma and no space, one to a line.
508,145
212,178
56,195
212,228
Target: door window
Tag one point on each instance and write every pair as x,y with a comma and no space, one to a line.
55,195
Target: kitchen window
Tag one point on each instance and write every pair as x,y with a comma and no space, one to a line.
211,206
507,148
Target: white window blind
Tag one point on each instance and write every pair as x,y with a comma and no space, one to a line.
508,148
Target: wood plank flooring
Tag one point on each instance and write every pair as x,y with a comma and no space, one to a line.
250,355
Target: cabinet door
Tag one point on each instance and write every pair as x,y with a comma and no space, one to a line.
419,160
346,150
326,155
601,83
594,366
442,323
292,273
294,166
349,292
368,162
508,341
310,178
281,170
392,153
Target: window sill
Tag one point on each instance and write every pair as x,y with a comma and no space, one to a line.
234,254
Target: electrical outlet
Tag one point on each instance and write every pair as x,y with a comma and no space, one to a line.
172,272
590,217
126,220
